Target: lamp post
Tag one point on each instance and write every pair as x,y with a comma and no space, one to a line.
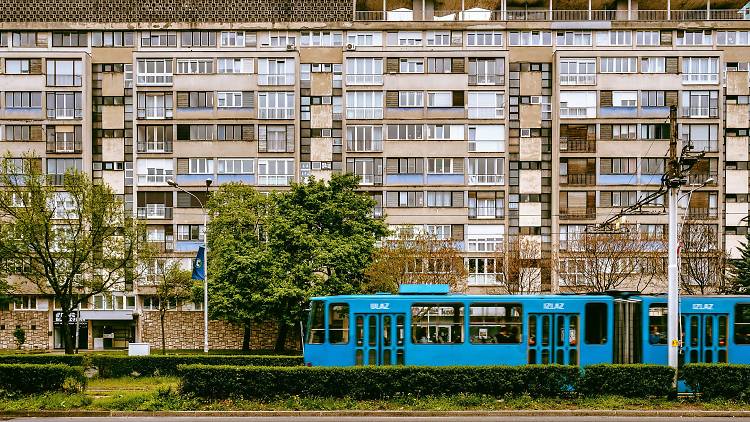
174,184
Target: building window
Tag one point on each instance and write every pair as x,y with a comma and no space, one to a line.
647,38
624,98
64,105
617,65
154,105
575,104
405,132
158,39
70,39
232,38
64,139
486,205
652,99
25,303
702,137
443,166
235,132
411,65
614,38
440,199
486,71
624,132
409,38
112,39
155,72
64,72
195,66
618,166
653,65
439,38
57,167
364,105
235,65
322,39
17,66
155,172
275,172
192,133
733,38
483,272
408,99
701,37
486,171
276,105
620,199
364,71
577,71
23,100
484,39
364,138
486,105
439,65
190,232
437,323
405,199
276,71
445,99
487,138
573,38
275,138
25,39
365,39
234,99
369,170
530,38
700,70
652,166
198,39
700,104
200,166
484,238
22,133
236,166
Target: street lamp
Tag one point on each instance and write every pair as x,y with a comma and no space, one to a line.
174,184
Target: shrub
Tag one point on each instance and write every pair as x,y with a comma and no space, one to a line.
165,365
718,380
626,380
32,379
219,382
70,360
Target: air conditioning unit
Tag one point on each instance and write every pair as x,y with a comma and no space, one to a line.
351,47
291,47
525,133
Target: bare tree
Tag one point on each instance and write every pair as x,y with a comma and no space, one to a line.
703,263
520,266
175,285
73,237
416,259
616,259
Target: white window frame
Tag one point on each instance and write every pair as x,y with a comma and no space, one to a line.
162,78
618,64
577,71
269,175
236,166
276,105
486,105
230,65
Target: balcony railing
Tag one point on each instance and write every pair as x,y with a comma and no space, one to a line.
364,112
700,178
66,113
154,179
574,112
700,78
364,79
485,112
156,112
486,179
577,145
486,79
275,180
486,212
364,146
582,179
276,79
276,113
577,213
560,15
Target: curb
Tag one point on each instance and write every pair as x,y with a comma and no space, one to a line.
381,413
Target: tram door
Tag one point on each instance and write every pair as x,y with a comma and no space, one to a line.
704,338
553,338
380,339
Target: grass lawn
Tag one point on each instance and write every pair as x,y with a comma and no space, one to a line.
161,393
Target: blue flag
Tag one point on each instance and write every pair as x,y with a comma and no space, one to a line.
199,267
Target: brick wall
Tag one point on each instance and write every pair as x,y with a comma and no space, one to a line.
184,330
36,324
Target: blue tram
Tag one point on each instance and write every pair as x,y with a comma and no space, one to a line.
426,325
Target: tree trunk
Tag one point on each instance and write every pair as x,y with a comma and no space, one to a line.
281,337
247,331
162,314
67,338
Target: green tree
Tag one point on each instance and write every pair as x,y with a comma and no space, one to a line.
270,254
73,237
241,261
323,235
20,336
175,285
740,268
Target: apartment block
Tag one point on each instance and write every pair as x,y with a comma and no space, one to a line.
472,124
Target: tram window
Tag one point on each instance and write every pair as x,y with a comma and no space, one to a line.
657,324
596,323
316,334
338,323
742,324
492,323
437,323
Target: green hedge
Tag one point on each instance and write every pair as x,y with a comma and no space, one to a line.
718,380
218,382
111,366
626,380
31,379
119,366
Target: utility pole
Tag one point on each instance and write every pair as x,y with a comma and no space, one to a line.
674,181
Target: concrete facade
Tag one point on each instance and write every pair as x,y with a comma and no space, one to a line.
474,130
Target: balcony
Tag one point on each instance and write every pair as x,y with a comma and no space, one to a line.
153,179
65,113
699,112
445,179
700,78
702,145
155,147
353,145
700,178
276,113
568,144
275,180
154,212
248,179
162,245
406,179
486,179
581,179
486,112
367,113
155,113
577,213
486,79
618,112
276,79
364,79
577,112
